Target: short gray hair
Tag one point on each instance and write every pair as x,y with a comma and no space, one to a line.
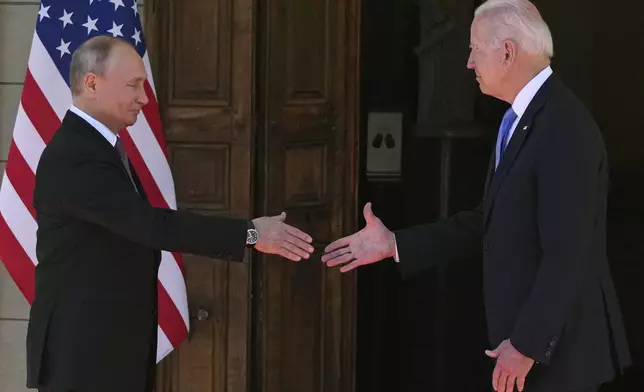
520,21
91,56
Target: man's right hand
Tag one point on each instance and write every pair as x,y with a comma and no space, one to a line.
276,237
370,245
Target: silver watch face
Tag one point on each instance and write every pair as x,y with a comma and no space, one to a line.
251,236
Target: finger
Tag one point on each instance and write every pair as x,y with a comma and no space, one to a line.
281,217
340,260
294,249
298,233
355,264
492,353
496,375
341,243
288,254
300,244
510,384
368,214
336,253
503,379
520,384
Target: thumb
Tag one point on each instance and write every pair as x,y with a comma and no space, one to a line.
281,217
368,214
492,353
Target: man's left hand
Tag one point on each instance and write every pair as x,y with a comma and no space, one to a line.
511,366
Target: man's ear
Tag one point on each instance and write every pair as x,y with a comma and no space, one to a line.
89,83
509,52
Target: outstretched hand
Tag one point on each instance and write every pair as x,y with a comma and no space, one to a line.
371,244
276,237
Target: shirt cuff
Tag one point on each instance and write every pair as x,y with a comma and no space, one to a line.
396,257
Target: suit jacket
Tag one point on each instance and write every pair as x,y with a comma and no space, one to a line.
92,324
542,229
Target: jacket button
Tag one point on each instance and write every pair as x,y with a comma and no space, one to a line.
548,353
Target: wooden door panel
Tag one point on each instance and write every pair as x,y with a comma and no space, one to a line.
204,175
307,28
307,134
200,45
203,64
301,71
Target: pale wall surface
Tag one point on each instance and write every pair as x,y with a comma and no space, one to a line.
17,21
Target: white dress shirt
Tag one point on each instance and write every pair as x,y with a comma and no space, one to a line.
102,129
523,99
519,106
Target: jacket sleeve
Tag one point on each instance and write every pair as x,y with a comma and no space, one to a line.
568,173
437,244
97,192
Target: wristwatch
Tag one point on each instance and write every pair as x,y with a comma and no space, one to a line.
251,235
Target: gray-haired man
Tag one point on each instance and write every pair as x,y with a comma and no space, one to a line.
553,317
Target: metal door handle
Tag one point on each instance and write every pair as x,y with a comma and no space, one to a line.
201,314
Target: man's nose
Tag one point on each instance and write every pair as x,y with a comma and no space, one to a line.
143,99
470,63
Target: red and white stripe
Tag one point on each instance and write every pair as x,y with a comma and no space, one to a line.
45,100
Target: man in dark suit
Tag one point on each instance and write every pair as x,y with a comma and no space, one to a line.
93,323
551,307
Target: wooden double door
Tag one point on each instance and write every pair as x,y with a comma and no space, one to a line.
259,106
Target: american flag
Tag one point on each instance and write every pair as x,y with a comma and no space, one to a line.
62,25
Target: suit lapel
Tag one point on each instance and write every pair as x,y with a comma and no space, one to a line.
87,130
519,137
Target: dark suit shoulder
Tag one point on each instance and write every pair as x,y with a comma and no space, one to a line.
564,105
75,145
75,141
565,118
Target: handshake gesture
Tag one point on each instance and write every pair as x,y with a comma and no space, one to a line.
276,237
371,244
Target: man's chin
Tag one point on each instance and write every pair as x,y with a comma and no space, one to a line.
132,121
127,124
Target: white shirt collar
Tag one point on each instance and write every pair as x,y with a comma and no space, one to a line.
102,129
528,92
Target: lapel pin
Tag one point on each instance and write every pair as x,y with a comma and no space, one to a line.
525,128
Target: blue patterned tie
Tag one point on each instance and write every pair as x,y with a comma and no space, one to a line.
504,132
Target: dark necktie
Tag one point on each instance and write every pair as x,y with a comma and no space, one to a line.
126,162
504,133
